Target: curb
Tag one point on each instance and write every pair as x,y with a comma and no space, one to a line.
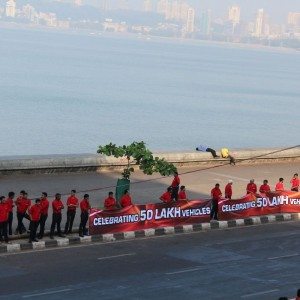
112,237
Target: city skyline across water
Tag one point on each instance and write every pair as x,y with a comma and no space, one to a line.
64,93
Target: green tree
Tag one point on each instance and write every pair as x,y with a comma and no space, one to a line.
142,156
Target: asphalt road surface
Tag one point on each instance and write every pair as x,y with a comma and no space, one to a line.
257,262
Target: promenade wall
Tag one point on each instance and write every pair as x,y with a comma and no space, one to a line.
10,165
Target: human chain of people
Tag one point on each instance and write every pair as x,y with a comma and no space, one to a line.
36,211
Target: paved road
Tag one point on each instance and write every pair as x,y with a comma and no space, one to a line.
259,262
198,184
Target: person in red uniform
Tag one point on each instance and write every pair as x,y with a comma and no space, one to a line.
84,216
72,204
126,199
251,187
265,188
228,189
182,194
10,202
175,186
216,195
295,183
279,187
57,206
166,197
22,203
35,215
44,204
4,211
110,202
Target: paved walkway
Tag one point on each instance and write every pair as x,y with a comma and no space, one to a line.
198,184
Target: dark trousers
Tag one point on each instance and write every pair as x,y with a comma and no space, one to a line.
56,220
295,189
83,220
70,219
214,209
175,190
213,152
42,225
20,228
10,220
231,160
33,227
3,231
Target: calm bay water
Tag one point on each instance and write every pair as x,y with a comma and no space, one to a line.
63,93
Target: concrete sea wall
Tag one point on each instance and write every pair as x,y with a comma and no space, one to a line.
94,162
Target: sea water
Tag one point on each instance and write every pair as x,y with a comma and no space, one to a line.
70,92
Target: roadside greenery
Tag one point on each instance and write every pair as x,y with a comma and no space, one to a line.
140,155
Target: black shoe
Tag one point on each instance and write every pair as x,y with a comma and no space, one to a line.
51,237
35,240
61,235
81,235
40,237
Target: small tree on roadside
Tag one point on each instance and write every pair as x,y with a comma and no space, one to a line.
142,156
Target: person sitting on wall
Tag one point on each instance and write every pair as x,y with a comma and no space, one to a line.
182,194
205,148
166,197
126,199
110,202
225,154
295,183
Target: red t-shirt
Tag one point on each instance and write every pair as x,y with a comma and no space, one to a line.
166,197
110,202
176,181
264,188
182,195
279,186
23,204
216,193
126,201
10,204
4,209
57,206
228,191
44,204
251,188
84,205
295,183
35,212
72,203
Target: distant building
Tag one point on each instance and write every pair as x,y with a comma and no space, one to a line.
294,19
10,9
78,2
205,22
162,6
148,5
260,23
123,5
105,5
30,12
234,14
190,23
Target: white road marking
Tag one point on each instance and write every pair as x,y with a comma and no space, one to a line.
184,271
47,293
260,293
115,256
229,176
284,256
